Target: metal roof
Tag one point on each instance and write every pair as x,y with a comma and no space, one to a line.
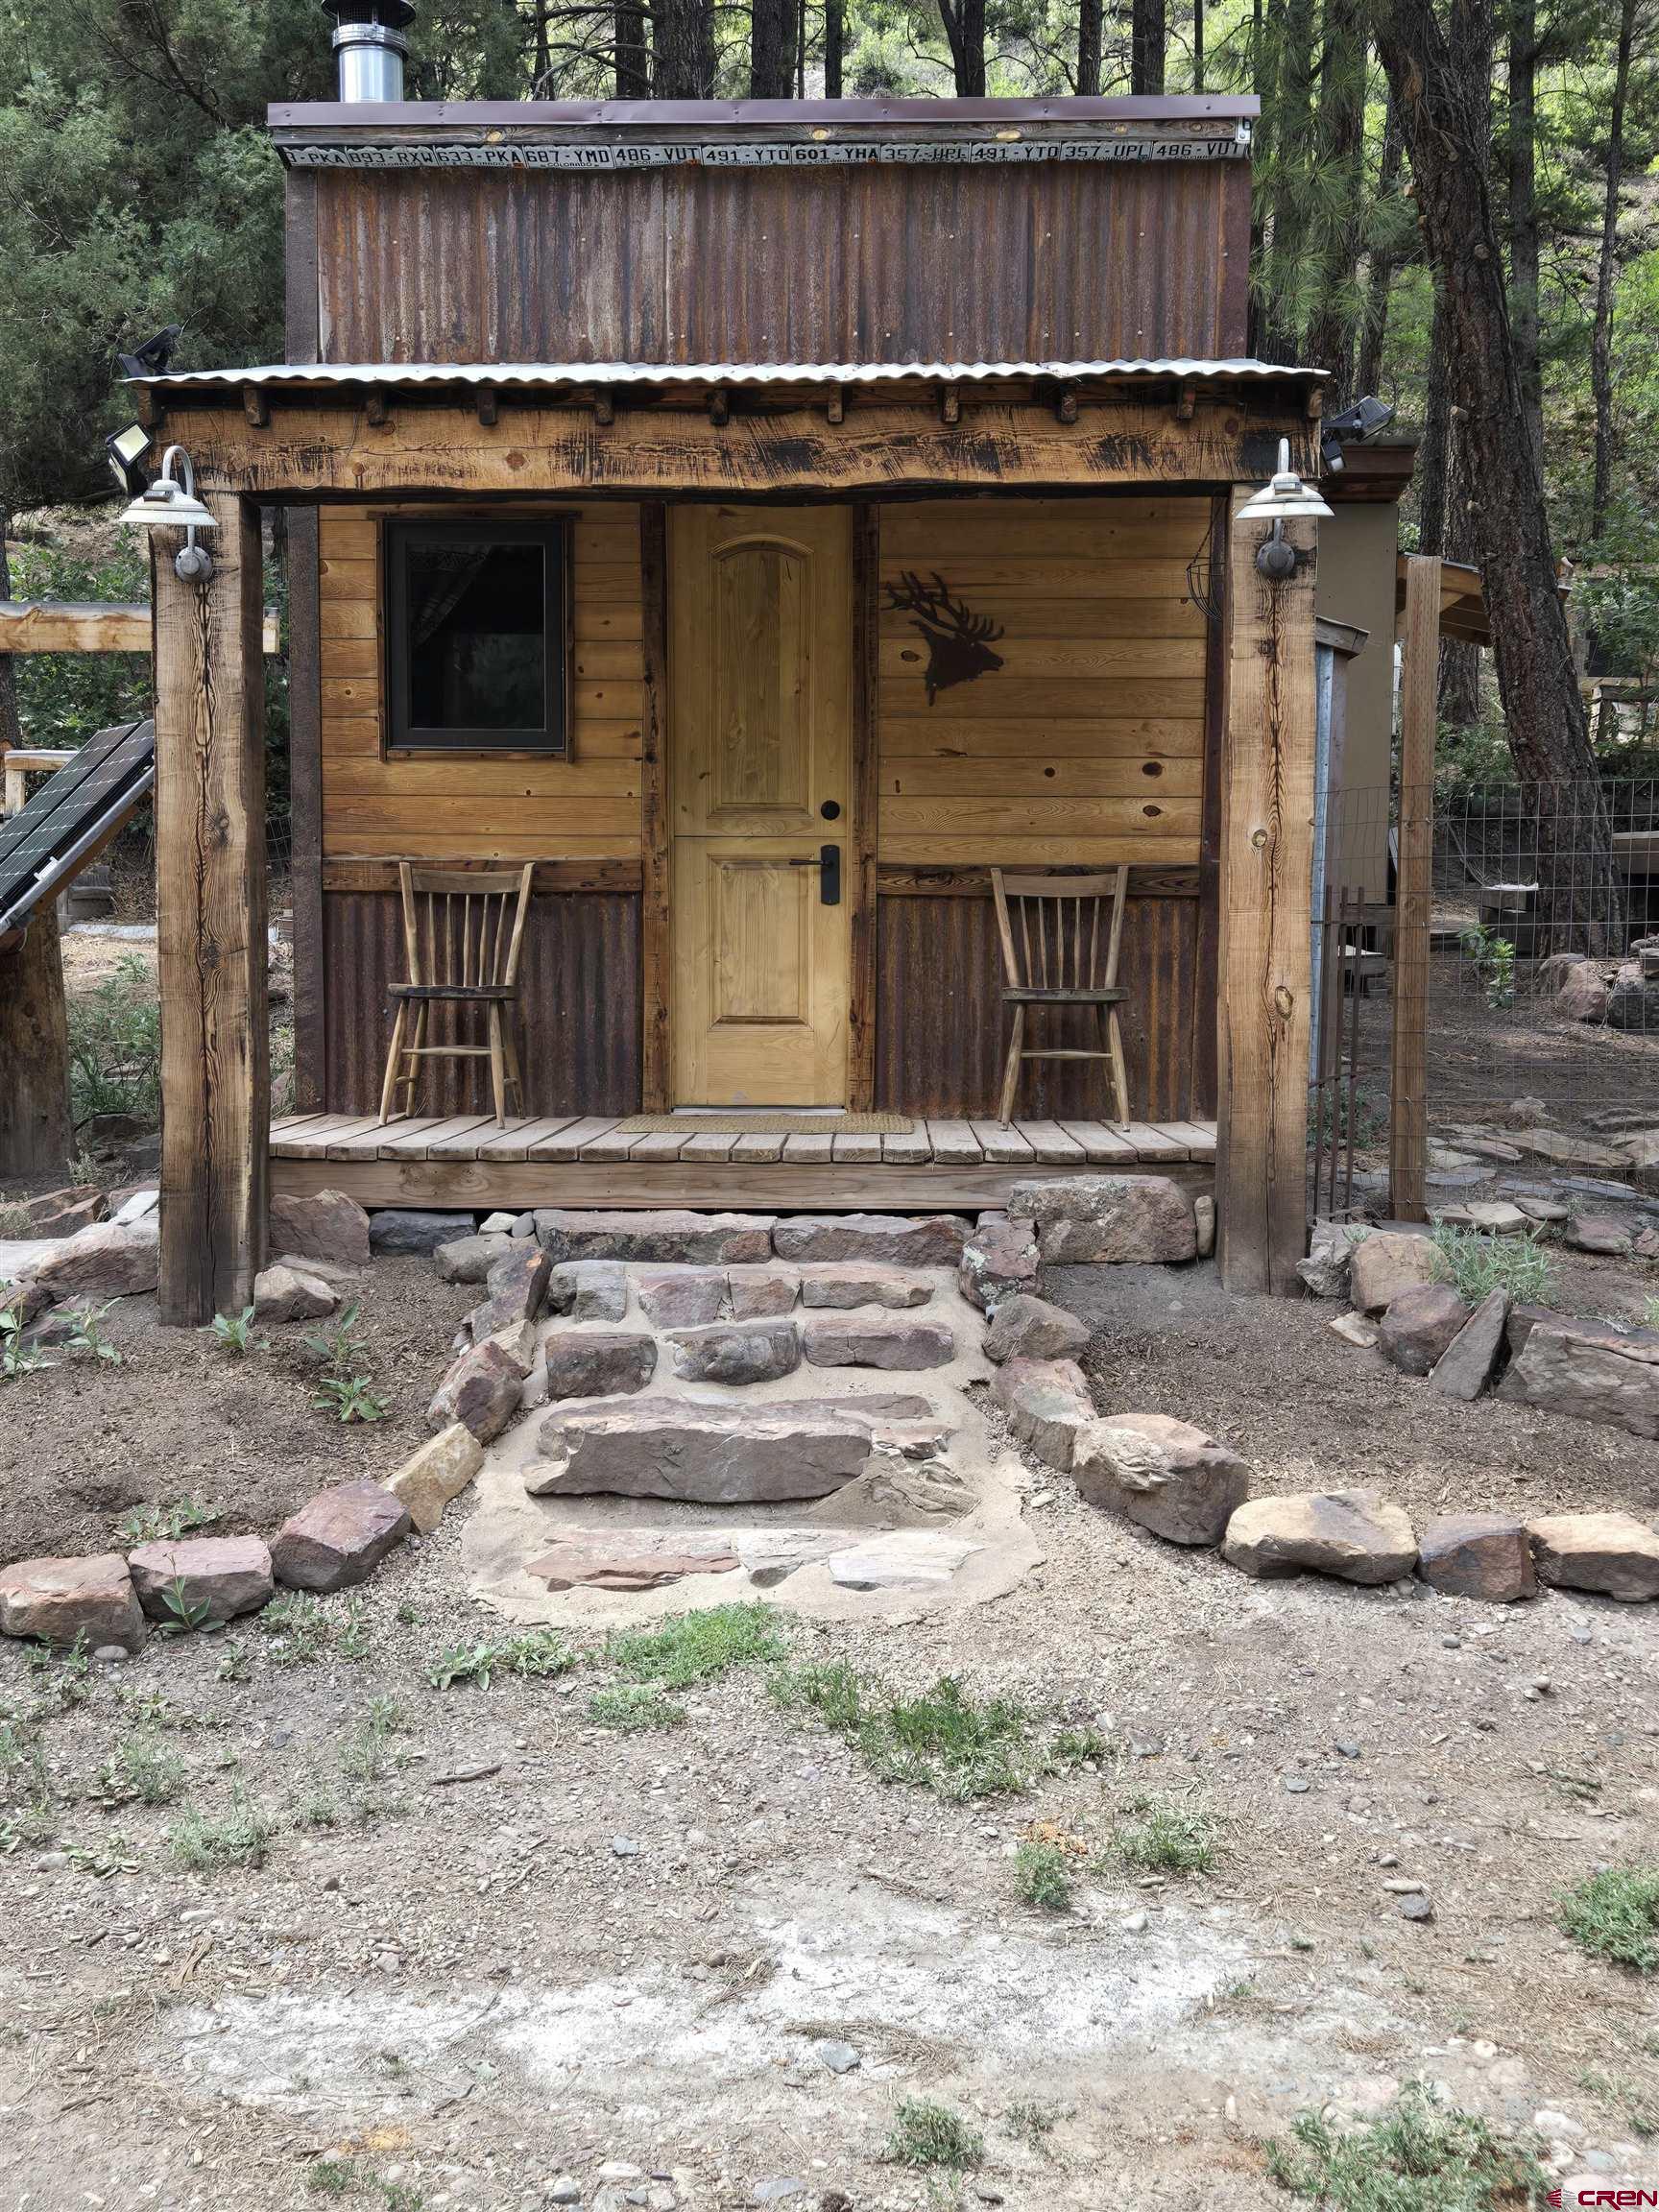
555,376
74,813
668,115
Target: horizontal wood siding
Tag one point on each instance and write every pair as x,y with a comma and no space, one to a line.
1086,745
941,1031
482,808
579,1032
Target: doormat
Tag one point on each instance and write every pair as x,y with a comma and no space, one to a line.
766,1125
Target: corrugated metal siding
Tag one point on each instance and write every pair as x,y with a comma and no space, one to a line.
880,263
940,1030
579,1027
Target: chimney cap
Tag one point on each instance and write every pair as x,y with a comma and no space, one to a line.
390,14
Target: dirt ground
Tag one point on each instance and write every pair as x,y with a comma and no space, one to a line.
529,1946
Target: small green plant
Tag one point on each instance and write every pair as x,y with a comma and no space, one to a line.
1474,1265
1032,2121
301,1626
16,1358
1043,1876
1650,1312
632,1708
366,1754
1076,1747
929,2134
942,1741
165,1524
184,1617
331,2177
350,1398
116,1045
1615,1915
234,1332
234,1665
338,1343
537,1652
354,1635
86,1332
110,1855
1423,2155
1492,956
63,1676
698,1647
236,1840
142,1770
1159,1837
315,1808
1639,2105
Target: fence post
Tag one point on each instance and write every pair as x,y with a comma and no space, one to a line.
1414,888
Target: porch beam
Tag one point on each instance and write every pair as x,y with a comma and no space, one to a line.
1266,894
654,853
210,922
1414,892
415,449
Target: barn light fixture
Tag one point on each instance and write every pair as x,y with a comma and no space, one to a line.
169,504
1282,497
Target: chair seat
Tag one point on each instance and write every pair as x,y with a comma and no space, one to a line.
1023,996
462,991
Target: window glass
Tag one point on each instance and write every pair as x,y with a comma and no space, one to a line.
478,634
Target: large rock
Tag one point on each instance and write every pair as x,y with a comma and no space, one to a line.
760,1292
440,1471
1027,1328
588,1289
674,1236
1640,1151
62,1599
1583,994
206,1580
1612,1235
999,1258
283,1293
598,1363
1046,1404
1161,1474
320,1225
1353,1534
736,1352
1589,1371
1484,1555
682,1297
338,1538
1093,1219
826,1285
110,1259
843,1340
1420,1325
399,1230
889,1239
518,1289
1634,1001
1610,1553
470,1259
631,1559
739,1455
1387,1262
60,1213
482,1388
1465,1367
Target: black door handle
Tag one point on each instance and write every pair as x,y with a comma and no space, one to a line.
829,861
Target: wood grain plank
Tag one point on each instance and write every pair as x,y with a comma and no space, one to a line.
954,1142
568,1143
759,1146
860,1147
713,1144
1051,1143
661,1145
514,1142
907,1148
1001,1146
804,1150
1104,1145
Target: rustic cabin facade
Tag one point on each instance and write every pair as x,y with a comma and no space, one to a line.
767,524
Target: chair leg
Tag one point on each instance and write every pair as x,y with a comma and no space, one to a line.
1011,1070
394,1056
1119,1069
497,1066
510,1042
412,1064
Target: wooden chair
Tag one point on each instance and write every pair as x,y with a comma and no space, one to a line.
463,951
1054,953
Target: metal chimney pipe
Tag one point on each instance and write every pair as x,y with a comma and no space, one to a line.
369,47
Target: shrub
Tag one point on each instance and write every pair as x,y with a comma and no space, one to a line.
1043,1876
1615,1915
1422,2156
116,1045
1162,1838
632,1708
1474,1265
929,2134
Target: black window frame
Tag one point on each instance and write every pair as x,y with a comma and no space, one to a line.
553,535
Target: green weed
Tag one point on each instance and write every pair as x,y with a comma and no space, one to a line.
234,1665
331,2177
1615,1915
301,1627
236,1840
234,1332
116,1045
1492,956
366,1754
141,1769
1650,1312
1165,1838
111,1855
1043,1876
1422,2156
1639,2105
536,1651
165,1524
941,1741
929,2134
338,1343
634,1707
61,1676
16,1357
183,1619
350,1398
1032,2121
86,1331
1474,1265
698,1647
314,1808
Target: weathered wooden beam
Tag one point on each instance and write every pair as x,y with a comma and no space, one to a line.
604,410
866,795
1185,404
210,924
654,952
1065,404
719,408
950,404
376,411
36,1133
552,880
835,406
487,406
255,407
85,626
328,451
1266,894
1414,886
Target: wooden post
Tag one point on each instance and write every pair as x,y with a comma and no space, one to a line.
34,1126
654,945
866,803
1266,894
210,921
1414,883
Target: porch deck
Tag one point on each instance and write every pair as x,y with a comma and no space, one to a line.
590,1162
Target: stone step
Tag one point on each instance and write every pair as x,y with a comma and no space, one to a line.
843,1340
647,1560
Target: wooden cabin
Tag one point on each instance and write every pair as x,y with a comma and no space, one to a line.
765,522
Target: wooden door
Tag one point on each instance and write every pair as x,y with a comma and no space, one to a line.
760,640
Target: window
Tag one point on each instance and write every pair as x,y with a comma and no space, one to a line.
478,636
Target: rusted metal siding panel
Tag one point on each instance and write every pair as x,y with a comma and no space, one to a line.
1052,260
579,1026
941,1032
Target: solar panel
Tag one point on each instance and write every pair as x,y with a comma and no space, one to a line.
43,846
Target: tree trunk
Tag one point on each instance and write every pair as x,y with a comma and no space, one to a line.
1340,153
1433,453
1148,44
964,22
834,46
1197,45
632,60
684,35
1601,337
1444,119
1380,275
34,1130
1292,67
1089,22
772,50
1521,160
1459,686
10,729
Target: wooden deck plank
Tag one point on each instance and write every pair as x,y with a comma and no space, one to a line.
1002,1146
955,1143
293,1125
608,1144
711,1144
1051,1143
336,1144
1199,1137
1151,1143
661,1144
762,1145
858,1147
1102,1146
808,1151
513,1143
462,1144
312,1142
914,1148
568,1143
409,1140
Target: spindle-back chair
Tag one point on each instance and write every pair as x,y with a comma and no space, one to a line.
462,935
1057,953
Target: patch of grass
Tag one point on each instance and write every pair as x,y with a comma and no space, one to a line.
368,1753
1615,1915
141,1769
1650,1312
929,2134
535,1653
1043,1876
1422,2156
1159,1837
116,1045
1032,2121
1076,1747
1474,1265
354,1634
165,1524
314,1808
698,1647
331,2177
301,1627
238,1839
632,1708
61,1676
942,1741
1639,2105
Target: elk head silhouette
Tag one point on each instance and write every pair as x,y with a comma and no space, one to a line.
958,643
